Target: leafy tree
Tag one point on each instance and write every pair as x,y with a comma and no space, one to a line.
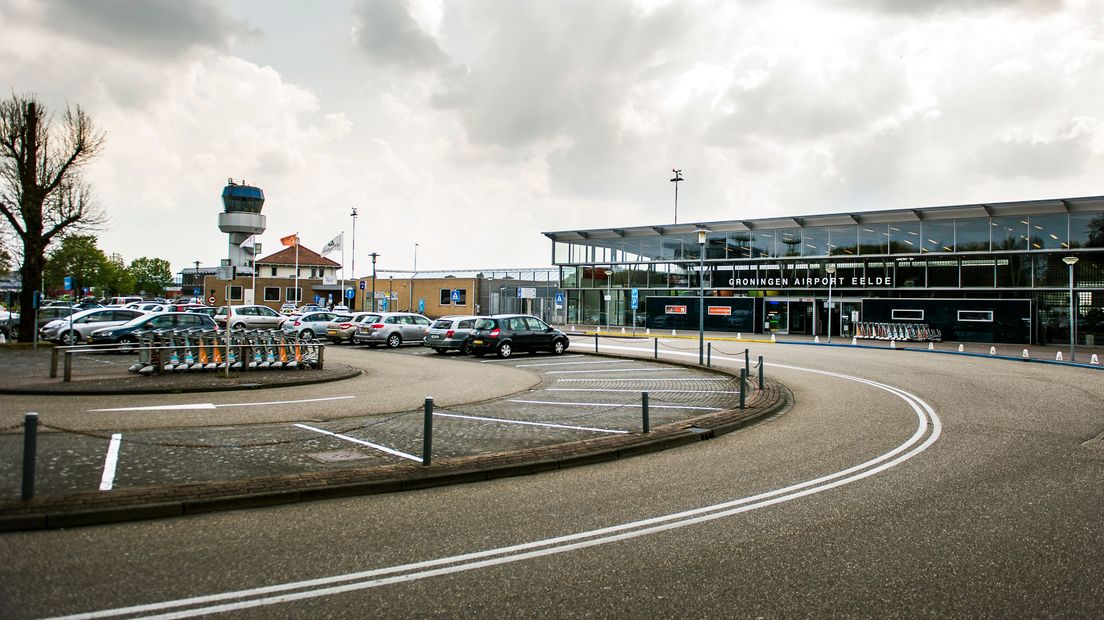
76,257
5,261
42,194
117,279
151,275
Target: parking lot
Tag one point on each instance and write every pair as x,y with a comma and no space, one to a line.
575,397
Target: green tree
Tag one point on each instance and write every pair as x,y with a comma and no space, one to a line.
151,275
76,257
117,279
42,194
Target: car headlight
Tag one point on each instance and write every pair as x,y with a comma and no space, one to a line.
107,334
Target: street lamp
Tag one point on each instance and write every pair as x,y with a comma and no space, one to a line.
373,255
410,302
352,271
676,181
701,293
1071,261
831,276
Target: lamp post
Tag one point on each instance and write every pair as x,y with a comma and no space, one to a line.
373,255
198,284
831,269
410,301
701,294
352,270
1071,261
676,181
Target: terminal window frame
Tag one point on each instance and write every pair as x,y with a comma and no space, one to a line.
446,297
907,314
975,316
272,293
235,293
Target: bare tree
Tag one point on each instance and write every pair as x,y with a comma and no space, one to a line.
41,190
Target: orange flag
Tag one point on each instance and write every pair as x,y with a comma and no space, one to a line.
290,240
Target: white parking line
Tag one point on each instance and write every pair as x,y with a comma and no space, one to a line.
558,379
638,391
562,357
552,402
188,406
544,424
360,442
107,481
576,372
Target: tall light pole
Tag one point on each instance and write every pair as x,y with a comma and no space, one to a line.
1071,261
374,255
352,271
701,294
676,181
410,301
831,269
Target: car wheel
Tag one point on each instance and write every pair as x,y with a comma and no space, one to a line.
238,325
558,347
440,351
505,350
70,338
306,334
128,344
394,340
465,349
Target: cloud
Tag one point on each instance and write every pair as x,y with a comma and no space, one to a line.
920,7
390,36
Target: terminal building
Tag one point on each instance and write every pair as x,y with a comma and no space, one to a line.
994,272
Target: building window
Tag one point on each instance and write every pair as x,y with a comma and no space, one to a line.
273,273
293,294
975,316
235,293
899,314
272,293
446,297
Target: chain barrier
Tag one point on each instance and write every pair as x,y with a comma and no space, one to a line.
718,349
14,427
664,344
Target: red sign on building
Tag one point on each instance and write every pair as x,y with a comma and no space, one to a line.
719,310
674,309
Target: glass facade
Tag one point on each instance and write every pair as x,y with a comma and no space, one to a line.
996,251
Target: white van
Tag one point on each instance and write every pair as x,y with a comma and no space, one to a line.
122,301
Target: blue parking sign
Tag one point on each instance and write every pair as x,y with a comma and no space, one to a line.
635,298
421,306
68,283
383,304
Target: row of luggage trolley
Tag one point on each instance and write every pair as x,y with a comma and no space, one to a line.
200,349
919,332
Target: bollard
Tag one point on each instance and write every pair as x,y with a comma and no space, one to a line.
672,332
427,432
321,355
30,450
772,338
709,354
68,376
655,345
816,339
644,410
747,362
1095,360
854,340
595,342
893,344
1058,358
760,372
961,348
992,350
53,362
1025,354
743,386
931,346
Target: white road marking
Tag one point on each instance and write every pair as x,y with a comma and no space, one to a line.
190,406
558,379
562,357
575,372
638,391
349,582
360,442
107,480
553,402
571,363
544,424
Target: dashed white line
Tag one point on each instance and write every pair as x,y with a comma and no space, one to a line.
107,481
360,442
543,424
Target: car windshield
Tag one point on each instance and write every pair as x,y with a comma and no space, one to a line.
443,324
485,324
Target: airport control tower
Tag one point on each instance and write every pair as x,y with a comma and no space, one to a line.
241,218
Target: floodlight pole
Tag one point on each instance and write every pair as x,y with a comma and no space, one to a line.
676,181
374,255
831,269
352,270
701,294
1071,261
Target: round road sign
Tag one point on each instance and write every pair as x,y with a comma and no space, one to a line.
211,300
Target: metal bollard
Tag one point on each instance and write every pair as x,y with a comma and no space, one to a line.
709,354
644,410
321,356
747,362
655,345
743,386
68,367
595,342
30,451
427,432
760,372
53,362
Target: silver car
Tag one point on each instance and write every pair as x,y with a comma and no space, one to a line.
451,333
307,325
249,317
393,329
72,329
344,326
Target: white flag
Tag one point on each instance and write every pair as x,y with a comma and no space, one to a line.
334,245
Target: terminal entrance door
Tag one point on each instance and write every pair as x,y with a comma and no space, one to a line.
776,317
801,317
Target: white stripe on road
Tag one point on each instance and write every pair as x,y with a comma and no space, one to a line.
360,442
571,363
362,580
192,406
107,481
638,391
544,424
577,372
648,379
562,357
636,405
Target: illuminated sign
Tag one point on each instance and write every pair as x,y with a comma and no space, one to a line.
719,310
674,309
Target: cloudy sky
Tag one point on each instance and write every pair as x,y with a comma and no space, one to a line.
470,127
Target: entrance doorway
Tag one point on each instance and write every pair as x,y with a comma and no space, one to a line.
776,317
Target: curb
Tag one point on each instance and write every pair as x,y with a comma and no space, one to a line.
94,508
348,374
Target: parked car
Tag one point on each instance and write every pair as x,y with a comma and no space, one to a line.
287,308
49,313
9,323
307,325
208,310
344,326
311,308
451,333
248,317
393,329
122,301
124,335
505,334
72,329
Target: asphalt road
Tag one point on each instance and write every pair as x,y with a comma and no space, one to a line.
900,484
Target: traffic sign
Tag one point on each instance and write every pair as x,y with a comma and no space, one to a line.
317,298
68,283
211,300
383,304
421,306
362,285
455,296
635,298
350,293
560,298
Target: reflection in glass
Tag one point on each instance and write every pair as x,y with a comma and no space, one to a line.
873,239
739,244
943,274
814,241
843,240
1086,230
1049,232
938,236
910,274
972,234
763,243
1010,233
904,238
789,242
977,272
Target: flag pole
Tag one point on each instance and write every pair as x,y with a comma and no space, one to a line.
341,297
298,293
254,269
